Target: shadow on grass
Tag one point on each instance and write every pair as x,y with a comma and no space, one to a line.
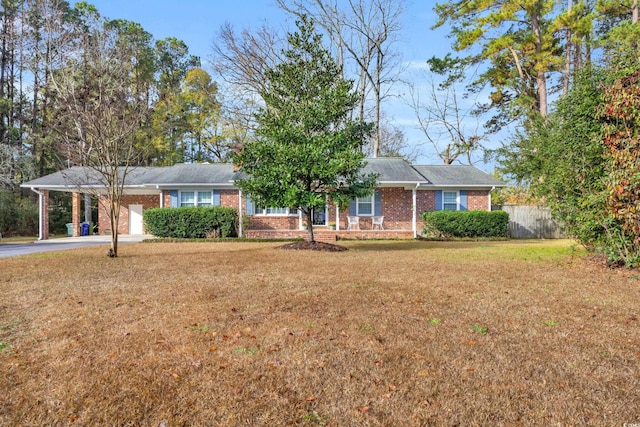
408,245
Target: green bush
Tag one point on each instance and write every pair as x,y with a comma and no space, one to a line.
445,224
18,215
191,223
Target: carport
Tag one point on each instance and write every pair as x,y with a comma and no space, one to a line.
86,181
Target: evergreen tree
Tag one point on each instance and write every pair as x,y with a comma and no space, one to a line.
308,148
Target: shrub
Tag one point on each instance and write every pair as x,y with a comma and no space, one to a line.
465,224
190,223
18,215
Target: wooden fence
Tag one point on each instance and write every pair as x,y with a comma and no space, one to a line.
532,222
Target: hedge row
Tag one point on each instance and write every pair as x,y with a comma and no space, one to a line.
444,224
191,223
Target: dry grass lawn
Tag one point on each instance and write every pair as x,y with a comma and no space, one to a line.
385,334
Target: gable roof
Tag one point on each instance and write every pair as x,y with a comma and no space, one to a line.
393,170
195,174
79,176
390,171
457,176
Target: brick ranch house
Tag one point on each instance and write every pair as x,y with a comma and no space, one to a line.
403,191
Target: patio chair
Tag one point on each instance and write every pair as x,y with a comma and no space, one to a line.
353,221
377,220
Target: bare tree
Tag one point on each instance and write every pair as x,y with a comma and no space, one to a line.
450,128
99,114
241,60
393,142
366,31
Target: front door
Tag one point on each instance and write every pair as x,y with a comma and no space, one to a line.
319,217
136,226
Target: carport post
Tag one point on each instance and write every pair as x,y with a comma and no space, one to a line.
75,214
43,213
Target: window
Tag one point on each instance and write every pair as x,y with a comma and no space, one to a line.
450,200
196,198
364,206
367,206
275,211
205,198
187,198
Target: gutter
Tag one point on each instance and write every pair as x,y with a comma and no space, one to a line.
414,220
492,188
40,203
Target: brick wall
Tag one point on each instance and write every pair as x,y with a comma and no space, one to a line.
229,198
147,202
268,222
396,208
478,200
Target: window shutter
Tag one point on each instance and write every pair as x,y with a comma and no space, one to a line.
438,200
249,207
216,197
463,200
352,207
174,198
377,209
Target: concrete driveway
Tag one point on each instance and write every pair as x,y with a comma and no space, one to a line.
17,249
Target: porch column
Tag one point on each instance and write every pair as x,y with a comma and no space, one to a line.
414,219
337,218
75,214
240,214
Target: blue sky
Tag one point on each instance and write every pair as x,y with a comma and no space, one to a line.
197,22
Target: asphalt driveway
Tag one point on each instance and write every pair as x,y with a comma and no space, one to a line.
17,249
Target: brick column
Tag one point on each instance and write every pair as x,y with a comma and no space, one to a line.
44,215
75,214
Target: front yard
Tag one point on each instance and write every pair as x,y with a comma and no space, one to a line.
387,333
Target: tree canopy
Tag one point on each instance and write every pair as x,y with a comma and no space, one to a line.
308,149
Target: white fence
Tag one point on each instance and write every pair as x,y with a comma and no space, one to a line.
532,222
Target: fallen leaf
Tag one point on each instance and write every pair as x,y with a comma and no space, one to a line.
310,399
471,343
212,349
364,409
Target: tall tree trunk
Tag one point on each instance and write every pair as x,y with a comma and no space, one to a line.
114,218
541,80
567,56
309,214
3,67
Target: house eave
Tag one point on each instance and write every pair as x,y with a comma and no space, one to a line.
477,186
